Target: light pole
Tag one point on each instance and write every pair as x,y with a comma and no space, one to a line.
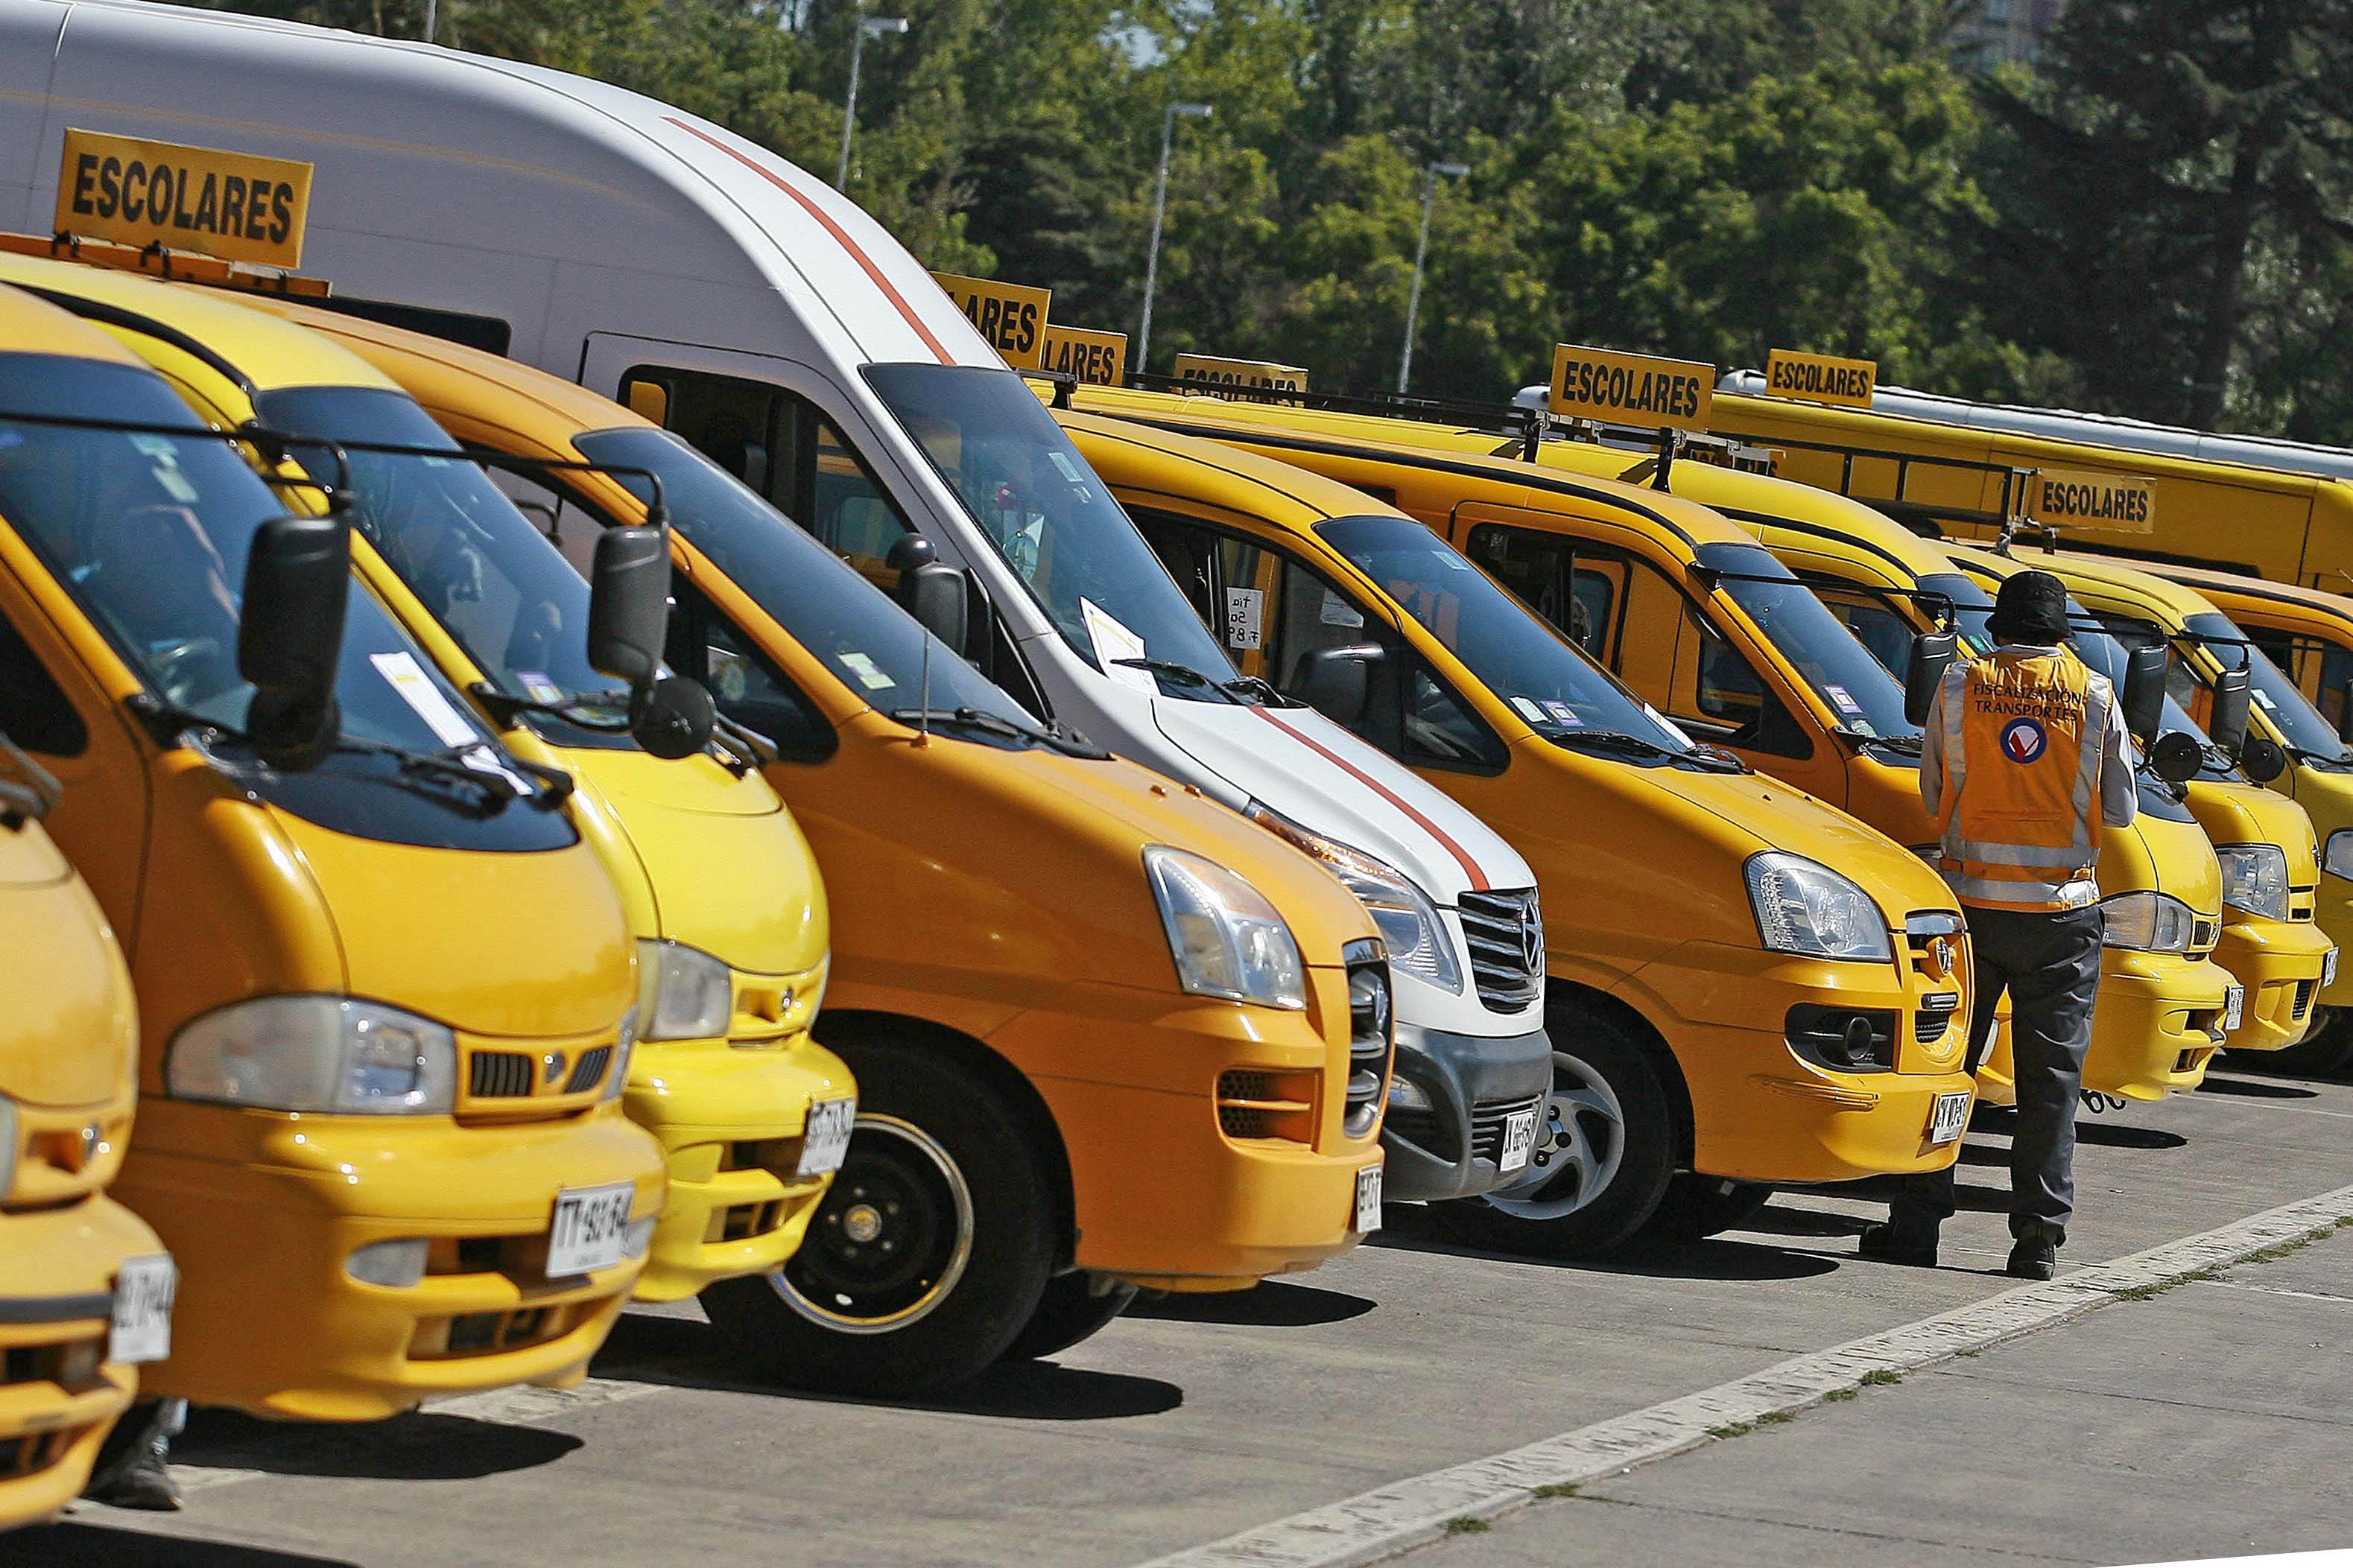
868,27
1421,250
1160,211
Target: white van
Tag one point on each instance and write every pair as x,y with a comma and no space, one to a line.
672,264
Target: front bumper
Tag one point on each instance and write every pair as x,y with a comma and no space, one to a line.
1474,1083
262,1209
2279,962
2155,1025
55,1301
730,1122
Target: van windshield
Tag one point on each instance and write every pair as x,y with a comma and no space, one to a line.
1558,691
508,596
1866,699
150,534
2104,650
874,648
1044,511
2307,734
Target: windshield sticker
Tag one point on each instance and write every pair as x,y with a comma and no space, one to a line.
1113,642
1064,467
1337,611
1669,725
1530,708
155,447
400,672
174,483
537,687
868,676
2266,699
1245,624
1562,713
1843,699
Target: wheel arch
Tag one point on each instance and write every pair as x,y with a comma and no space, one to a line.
1561,994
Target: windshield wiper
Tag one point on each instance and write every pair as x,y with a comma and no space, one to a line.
1248,689
1709,759
504,706
1906,745
1054,738
167,723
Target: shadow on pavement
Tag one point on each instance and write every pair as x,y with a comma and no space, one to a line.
1715,1258
2256,1089
420,1446
77,1545
1775,1220
681,1353
1983,1155
1272,1304
2117,1135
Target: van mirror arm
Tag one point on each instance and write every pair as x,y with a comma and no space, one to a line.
742,748
35,796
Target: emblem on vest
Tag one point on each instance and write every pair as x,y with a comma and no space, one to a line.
2023,741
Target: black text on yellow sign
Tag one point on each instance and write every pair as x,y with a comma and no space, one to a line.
2070,498
232,205
1252,373
1011,316
1097,359
1821,378
1632,389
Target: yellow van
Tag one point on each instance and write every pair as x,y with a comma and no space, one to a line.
1739,1031
87,1288
382,985
1107,1033
725,1074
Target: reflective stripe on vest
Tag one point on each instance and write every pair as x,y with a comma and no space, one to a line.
2022,737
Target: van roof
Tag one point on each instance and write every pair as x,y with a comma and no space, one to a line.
1279,492
2205,579
31,325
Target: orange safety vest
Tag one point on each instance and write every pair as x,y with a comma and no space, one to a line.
2023,740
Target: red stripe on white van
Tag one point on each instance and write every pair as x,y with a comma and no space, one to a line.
832,228
1479,883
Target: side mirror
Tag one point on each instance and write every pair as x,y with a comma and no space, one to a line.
672,718
2229,715
2345,716
629,604
289,636
2176,757
1335,681
2261,759
2144,694
1932,655
931,590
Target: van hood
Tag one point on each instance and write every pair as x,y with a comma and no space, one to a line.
71,1039
1296,761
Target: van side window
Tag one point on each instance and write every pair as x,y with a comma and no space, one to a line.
1576,590
34,710
747,687
1875,622
2335,683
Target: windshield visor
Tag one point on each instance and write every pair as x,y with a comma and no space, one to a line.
1867,701
1548,683
1044,511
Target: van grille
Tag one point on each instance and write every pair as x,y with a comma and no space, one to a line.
501,1075
1372,1033
2302,1003
1505,931
588,1069
1256,1102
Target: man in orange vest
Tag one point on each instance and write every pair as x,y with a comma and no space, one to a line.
2026,755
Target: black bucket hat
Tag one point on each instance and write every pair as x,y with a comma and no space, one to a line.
2031,608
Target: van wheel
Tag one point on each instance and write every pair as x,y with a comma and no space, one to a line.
930,1251
1603,1157
2325,1050
1696,1207
1071,1310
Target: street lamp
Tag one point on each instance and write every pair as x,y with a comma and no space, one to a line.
1159,211
1432,175
868,27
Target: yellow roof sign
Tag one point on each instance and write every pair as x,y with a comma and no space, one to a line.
1252,373
235,205
2111,504
1632,389
1011,316
1097,359
1821,378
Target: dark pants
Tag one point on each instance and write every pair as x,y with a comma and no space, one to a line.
2050,965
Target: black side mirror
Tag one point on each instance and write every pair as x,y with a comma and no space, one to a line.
2144,694
1932,655
2176,757
2261,759
629,604
931,590
672,718
1335,681
2345,716
2230,711
289,636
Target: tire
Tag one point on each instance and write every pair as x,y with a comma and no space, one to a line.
1071,1310
930,1252
1696,1207
2327,1050
1602,1160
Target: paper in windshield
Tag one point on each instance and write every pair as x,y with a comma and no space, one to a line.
1113,642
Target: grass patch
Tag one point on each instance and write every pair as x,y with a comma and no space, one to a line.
1737,1429
1554,1488
1466,1525
1879,1377
1838,1395
1775,1417
1967,1355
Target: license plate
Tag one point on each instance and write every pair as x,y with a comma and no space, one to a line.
2234,1008
2328,968
590,1227
826,1141
1519,1138
141,1328
1369,1200
1950,1119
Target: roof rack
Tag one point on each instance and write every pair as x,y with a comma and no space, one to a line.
160,260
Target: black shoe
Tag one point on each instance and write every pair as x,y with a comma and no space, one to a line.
141,1481
1912,1246
2034,1257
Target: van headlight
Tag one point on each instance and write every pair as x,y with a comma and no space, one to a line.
1227,939
2338,860
2254,878
625,1046
1804,907
683,993
1417,940
326,1054
7,1146
2148,922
